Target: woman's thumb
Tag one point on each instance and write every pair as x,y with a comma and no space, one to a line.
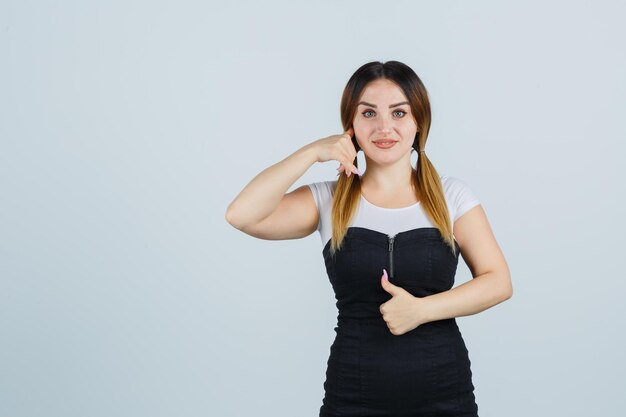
385,282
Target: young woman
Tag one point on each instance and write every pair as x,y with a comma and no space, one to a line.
391,237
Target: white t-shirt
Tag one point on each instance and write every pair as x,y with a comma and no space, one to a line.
459,198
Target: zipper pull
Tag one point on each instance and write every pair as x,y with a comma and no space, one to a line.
391,238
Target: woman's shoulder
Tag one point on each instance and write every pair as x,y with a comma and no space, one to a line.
459,194
322,191
323,186
449,181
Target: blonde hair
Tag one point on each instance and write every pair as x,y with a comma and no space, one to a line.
425,178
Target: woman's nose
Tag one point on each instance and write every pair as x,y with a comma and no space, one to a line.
385,125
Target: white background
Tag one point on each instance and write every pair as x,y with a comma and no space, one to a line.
127,127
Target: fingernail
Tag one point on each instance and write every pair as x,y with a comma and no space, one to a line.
385,275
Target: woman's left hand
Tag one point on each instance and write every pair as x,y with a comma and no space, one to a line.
404,312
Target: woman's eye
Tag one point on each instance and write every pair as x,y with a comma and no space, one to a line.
370,111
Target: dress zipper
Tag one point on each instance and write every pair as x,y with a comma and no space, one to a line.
391,238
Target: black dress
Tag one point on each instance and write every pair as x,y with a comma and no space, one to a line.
372,372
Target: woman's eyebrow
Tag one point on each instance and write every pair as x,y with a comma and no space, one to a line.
373,105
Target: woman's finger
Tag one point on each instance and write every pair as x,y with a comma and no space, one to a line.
352,170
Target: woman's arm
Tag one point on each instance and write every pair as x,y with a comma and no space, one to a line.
254,210
262,195
492,279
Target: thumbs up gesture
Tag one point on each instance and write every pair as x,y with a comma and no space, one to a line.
404,312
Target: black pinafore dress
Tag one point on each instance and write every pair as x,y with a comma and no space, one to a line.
370,371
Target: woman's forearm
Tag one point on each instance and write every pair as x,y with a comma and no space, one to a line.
263,193
479,294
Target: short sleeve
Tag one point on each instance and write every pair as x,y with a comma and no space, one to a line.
460,196
323,196
315,190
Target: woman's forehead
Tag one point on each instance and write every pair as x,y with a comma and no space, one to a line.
382,93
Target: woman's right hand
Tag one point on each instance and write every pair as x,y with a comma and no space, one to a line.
338,148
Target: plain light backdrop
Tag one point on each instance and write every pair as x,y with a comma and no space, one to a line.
127,127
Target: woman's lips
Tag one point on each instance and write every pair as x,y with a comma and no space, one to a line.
384,144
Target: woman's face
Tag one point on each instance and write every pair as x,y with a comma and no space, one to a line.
384,113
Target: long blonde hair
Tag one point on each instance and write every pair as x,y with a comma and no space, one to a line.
425,178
